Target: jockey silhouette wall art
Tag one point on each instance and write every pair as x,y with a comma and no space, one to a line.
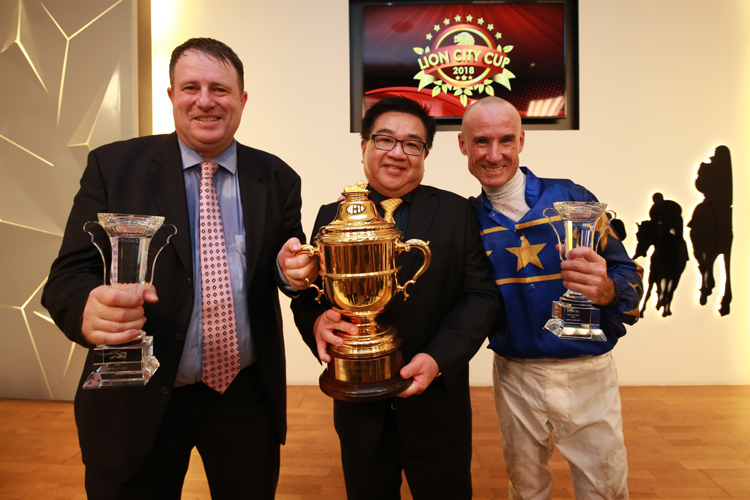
663,230
711,224
710,234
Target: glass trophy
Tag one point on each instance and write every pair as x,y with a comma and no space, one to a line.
133,363
574,316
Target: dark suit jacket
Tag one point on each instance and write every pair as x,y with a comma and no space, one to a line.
144,176
450,311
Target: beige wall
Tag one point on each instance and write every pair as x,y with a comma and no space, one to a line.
662,83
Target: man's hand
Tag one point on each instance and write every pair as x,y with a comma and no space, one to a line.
585,272
324,328
424,369
113,316
297,268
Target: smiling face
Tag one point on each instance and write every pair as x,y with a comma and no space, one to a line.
492,138
394,173
207,102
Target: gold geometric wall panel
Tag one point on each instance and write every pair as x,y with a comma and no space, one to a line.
69,84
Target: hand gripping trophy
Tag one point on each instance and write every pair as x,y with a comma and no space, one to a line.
358,257
133,363
574,316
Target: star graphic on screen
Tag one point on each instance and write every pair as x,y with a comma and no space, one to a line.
470,18
498,35
480,21
446,21
490,27
527,254
429,36
437,27
458,19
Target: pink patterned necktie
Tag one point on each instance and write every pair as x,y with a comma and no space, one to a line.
390,205
221,356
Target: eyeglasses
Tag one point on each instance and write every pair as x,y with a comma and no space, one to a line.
387,143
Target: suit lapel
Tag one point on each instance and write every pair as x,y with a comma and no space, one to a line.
253,196
424,205
168,184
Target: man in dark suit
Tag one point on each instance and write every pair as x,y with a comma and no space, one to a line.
426,432
136,441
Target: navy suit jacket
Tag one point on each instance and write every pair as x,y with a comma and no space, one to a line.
116,426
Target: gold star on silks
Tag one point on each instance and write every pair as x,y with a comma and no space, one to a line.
635,312
446,21
469,18
498,35
437,27
429,36
458,19
527,254
605,236
490,27
480,21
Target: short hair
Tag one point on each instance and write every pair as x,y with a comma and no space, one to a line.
214,48
399,105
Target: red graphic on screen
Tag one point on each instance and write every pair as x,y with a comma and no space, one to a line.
447,56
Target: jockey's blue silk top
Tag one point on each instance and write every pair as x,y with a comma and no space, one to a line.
526,267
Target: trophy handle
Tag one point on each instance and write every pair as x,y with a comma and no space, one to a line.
407,246
611,214
153,264
549,221
312,252
101,252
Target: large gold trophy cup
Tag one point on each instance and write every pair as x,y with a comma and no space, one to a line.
358,257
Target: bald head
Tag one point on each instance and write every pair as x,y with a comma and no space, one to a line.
492,138
490,105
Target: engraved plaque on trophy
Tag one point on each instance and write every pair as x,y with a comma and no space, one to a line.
133,363
358,256
574,317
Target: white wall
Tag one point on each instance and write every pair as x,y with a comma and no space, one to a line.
663,82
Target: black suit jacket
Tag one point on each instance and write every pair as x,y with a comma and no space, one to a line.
116,426
450,311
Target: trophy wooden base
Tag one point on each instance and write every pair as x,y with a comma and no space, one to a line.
358,378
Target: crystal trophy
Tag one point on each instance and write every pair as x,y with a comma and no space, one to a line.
574,316
132,363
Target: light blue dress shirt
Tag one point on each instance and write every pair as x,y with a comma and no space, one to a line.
228,191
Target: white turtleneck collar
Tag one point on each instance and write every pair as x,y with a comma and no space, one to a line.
510,198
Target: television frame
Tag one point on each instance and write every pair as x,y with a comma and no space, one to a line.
571,63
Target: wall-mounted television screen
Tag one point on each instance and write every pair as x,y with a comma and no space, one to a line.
449,54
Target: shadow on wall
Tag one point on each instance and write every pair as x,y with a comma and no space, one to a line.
710,234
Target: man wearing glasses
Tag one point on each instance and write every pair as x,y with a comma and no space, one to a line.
426,430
